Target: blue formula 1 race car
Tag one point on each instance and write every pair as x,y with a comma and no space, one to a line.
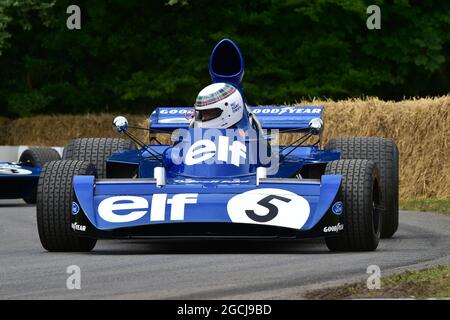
225,174
19,180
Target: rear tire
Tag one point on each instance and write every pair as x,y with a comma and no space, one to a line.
386,156
360,192
54,206
37,157
96,151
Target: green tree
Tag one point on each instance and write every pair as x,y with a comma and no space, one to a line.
133,55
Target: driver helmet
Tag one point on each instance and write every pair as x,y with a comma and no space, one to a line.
219,105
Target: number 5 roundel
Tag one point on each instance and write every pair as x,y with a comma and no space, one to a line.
269,206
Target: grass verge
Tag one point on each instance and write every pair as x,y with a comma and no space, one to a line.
428,283
429,205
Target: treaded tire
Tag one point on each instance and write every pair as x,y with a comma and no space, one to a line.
360,194
54,206
385,154
96,151
37,157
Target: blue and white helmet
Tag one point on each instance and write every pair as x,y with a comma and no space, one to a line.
219,105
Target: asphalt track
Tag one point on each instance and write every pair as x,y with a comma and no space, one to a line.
200,269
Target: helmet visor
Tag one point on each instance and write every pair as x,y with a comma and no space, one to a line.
209,114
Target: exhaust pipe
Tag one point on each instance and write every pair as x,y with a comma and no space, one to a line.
226,63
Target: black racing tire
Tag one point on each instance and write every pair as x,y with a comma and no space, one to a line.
360,193
68,151
96,151
54,206
37,157
386,156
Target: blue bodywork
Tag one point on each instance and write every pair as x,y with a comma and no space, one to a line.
18,181
219,198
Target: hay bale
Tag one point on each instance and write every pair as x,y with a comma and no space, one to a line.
420,127
58,130
5,136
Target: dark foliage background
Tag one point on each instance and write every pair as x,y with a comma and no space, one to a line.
131,55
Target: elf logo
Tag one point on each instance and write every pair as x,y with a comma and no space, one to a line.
203,150
122,209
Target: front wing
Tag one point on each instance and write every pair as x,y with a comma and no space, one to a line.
276,208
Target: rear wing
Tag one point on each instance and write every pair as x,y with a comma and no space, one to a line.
270,117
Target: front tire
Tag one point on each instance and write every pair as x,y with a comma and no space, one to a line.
54,206
360,192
